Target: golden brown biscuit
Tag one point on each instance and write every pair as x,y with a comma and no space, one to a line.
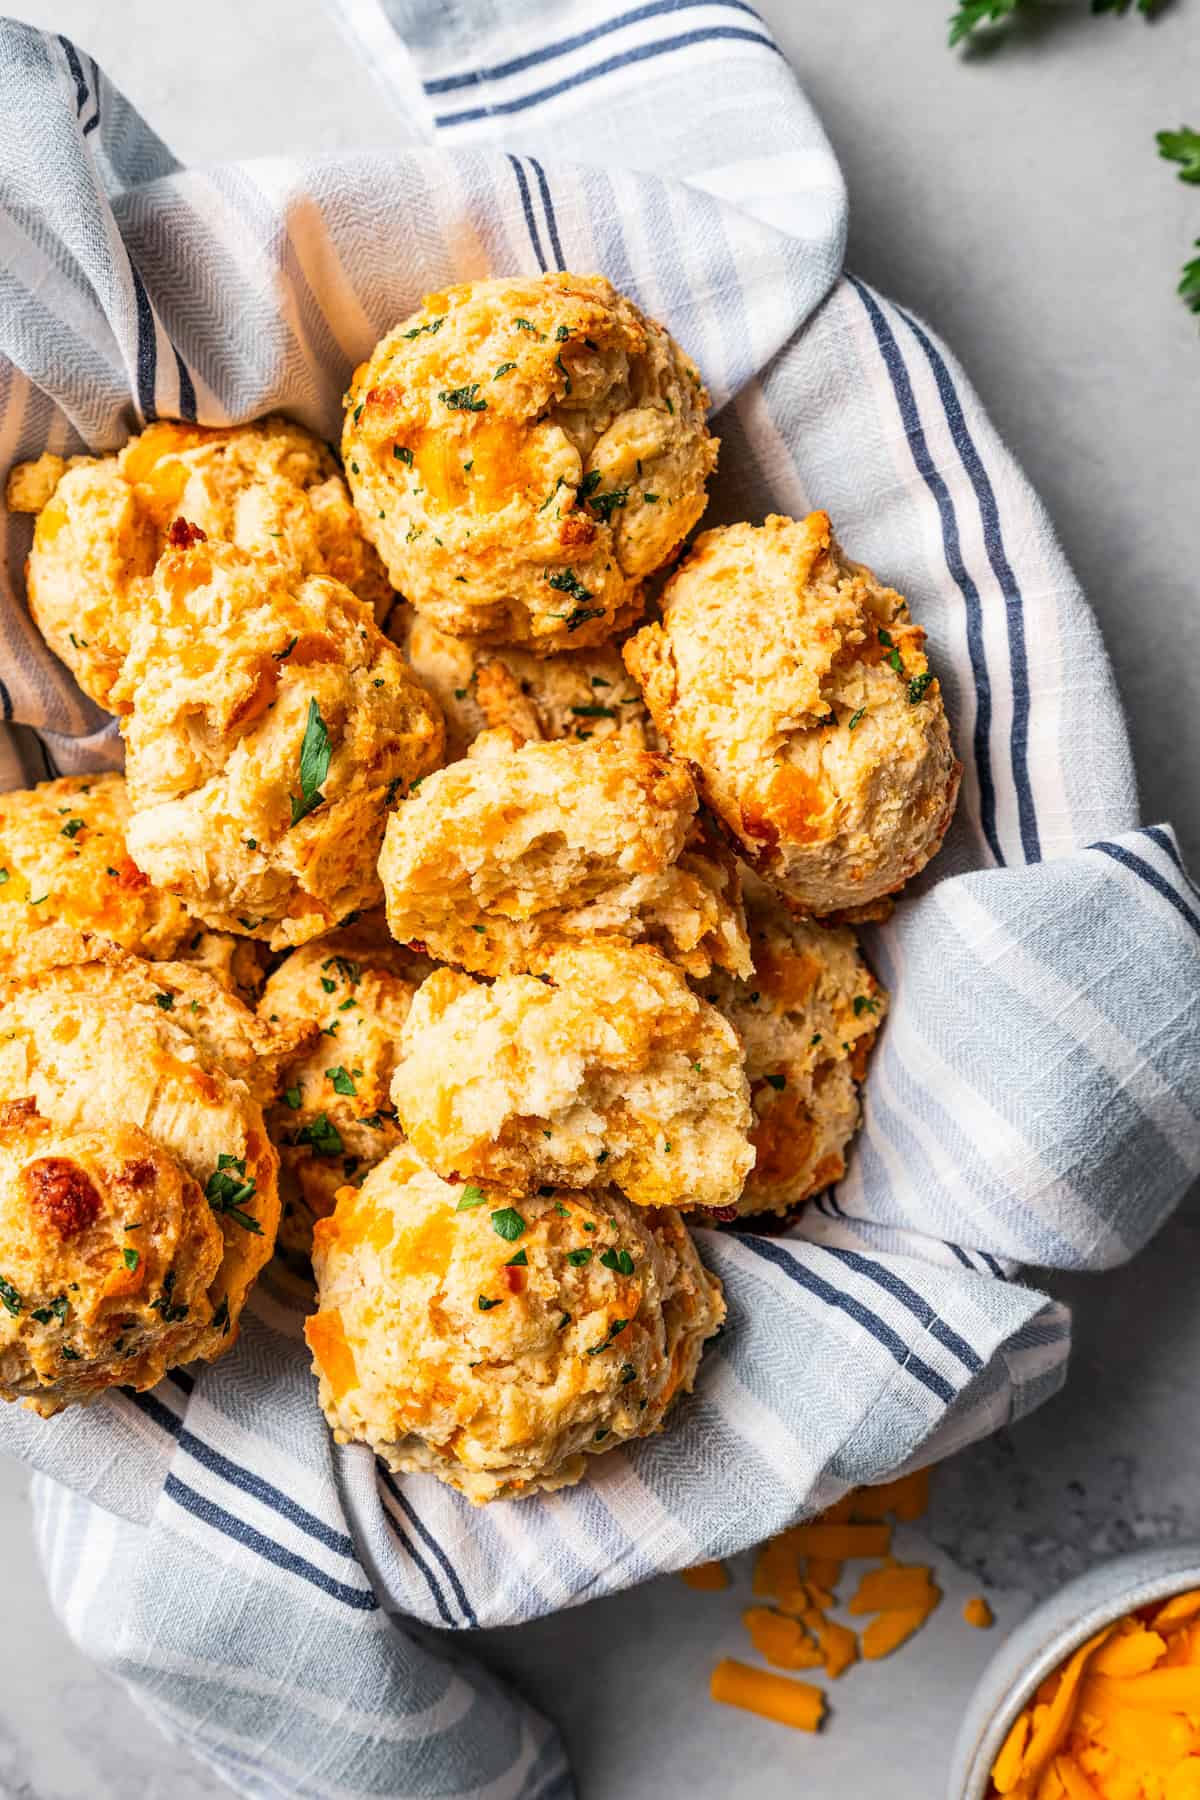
270,487
496,1341
523,453
604,1067
521,845
268,727
796,687
334,1119
138,1193
807,1018
64,861
577,694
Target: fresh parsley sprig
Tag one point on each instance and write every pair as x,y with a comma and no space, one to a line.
314,765
1183,147
973,15
229,1188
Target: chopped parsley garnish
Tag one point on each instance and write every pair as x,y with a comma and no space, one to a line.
564,1212
343,1082
563,1322
314,765
504,369
9,1297
594,712
57,1309
472,1197
567,582
620,1260
434,326
403,454
524,325
347,1004
329,986
550,495
560,364
484,1304
577,1258
70,1355
605,505
463,399
562,334
614,1330
864,1004
918,686
166,1001
221,1317
165,1306
330,1030
508,1223
4,876
856,718
321,1136
589,484
229,1188
73,827
886,638
292,1098
814,1040
282,655
519,1261
131,1257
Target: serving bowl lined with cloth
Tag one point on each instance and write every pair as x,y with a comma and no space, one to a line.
1035,1096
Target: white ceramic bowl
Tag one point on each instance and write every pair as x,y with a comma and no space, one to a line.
1050,1633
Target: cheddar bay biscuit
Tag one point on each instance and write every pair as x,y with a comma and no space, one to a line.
138,1194
497,1340
796,687
521,845
103,522
523,453
602,1067
268,727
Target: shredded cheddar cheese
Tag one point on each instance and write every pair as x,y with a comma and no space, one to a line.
795,1703
795,1584
1119,1720
707,1578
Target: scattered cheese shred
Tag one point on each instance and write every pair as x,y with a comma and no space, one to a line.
781,1640
799,1572
978,1613
839,1647
842,1541
707,1578
795,1703
894,1587
1119,1721
888,1630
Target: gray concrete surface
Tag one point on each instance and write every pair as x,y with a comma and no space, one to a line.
1016,201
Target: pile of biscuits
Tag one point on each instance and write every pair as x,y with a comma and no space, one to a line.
475,912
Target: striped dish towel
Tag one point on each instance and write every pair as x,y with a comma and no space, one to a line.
1035,1096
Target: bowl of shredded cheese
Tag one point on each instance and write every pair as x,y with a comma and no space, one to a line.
1096,1696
